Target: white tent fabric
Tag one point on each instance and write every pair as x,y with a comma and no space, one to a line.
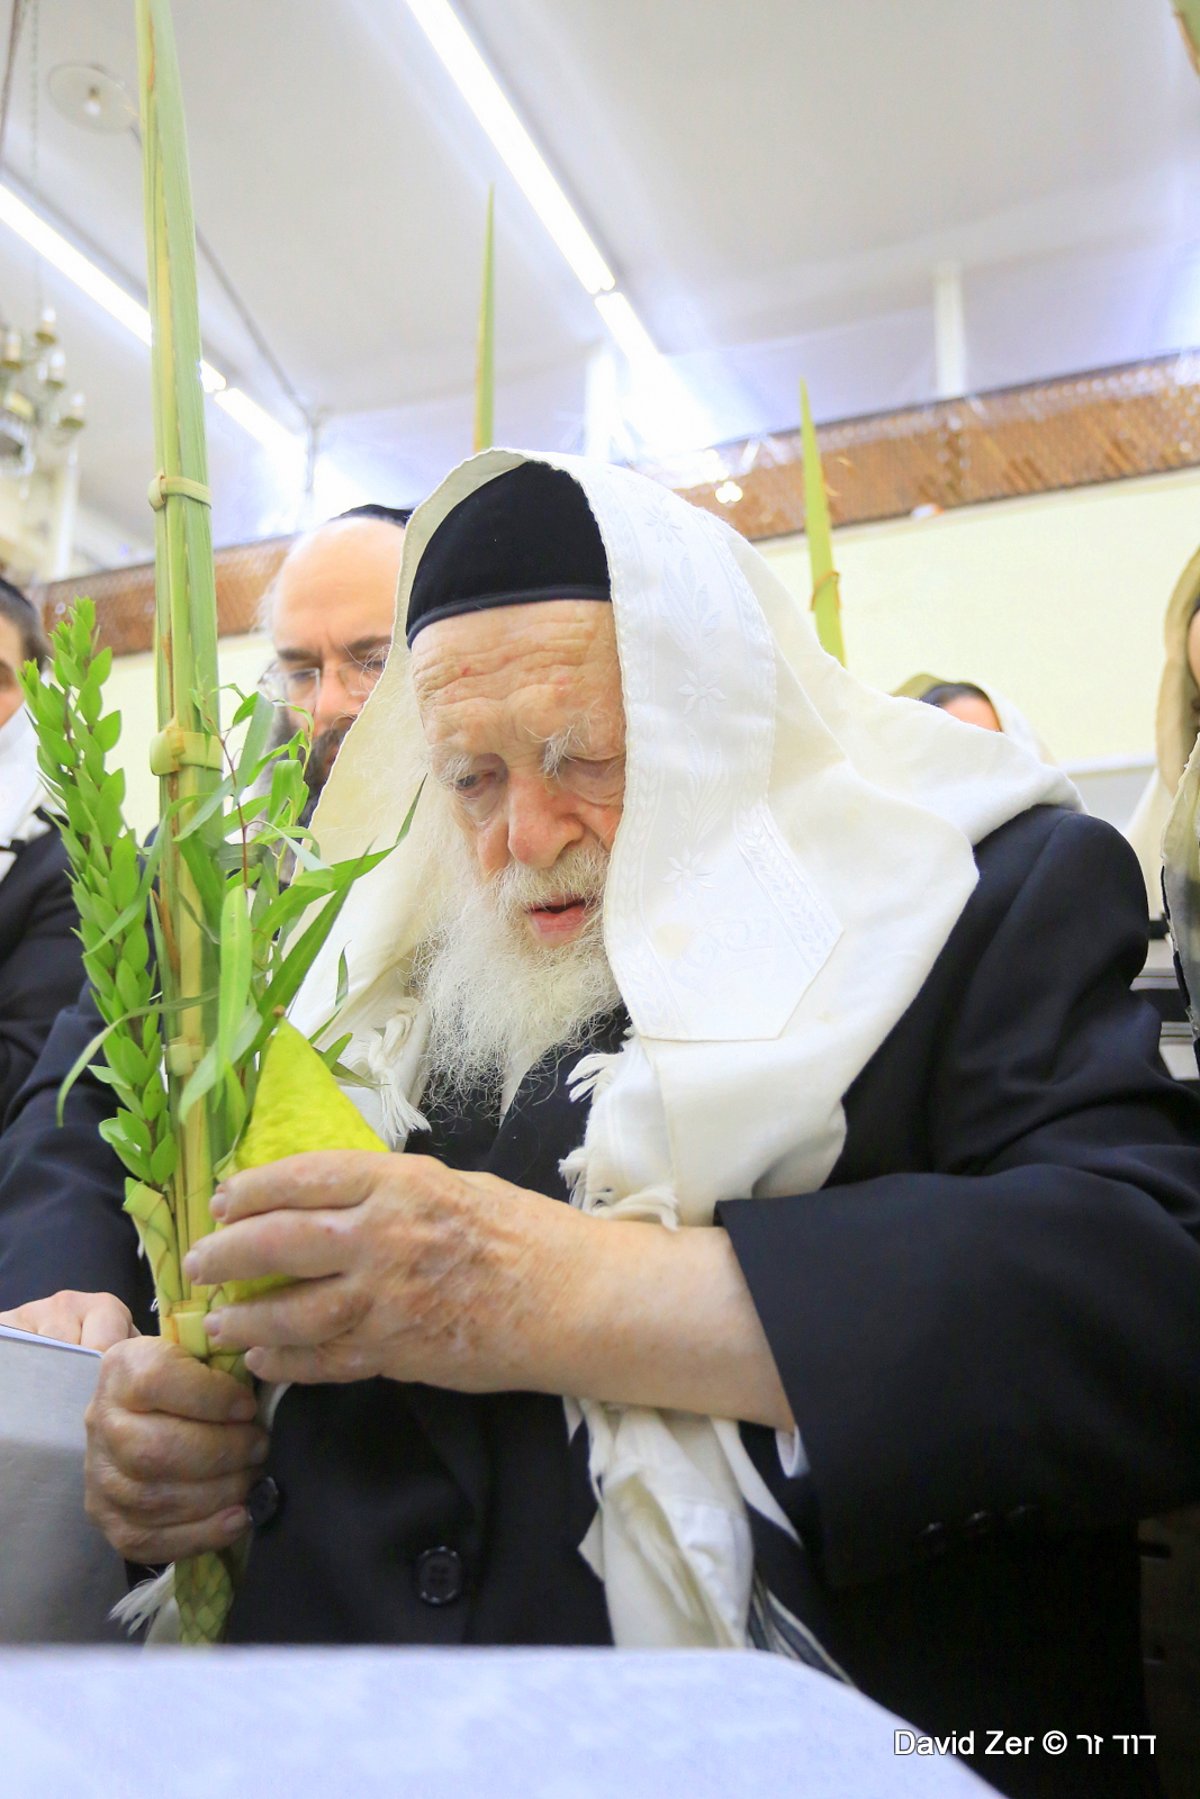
793,852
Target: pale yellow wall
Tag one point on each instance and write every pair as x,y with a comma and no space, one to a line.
1057,600
130,691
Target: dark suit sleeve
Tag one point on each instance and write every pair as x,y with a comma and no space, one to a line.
1010,1341
62,1188
40,957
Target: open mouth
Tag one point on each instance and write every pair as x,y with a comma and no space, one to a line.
558,917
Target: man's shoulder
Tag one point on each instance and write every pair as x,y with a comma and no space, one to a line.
1053,846
40,869
1055,886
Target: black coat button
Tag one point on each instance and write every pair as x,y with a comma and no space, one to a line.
931,1542
1022,1517
978,1526
264,1501
439,1576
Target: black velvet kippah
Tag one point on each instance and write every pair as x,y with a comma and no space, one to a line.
527,535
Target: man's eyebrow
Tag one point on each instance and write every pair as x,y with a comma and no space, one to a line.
450,766
362,646
577,740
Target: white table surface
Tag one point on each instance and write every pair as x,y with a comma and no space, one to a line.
446,1724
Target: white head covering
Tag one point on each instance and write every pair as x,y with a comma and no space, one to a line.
793,852
21,790
1174,735
1168,817
1012,720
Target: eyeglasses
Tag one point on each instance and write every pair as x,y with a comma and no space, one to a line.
300,686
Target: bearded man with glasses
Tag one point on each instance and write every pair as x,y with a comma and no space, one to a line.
329,613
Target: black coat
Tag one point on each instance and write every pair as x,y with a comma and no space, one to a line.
40,956
987,1322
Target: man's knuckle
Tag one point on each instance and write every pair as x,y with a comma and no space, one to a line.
143,1460
346,1308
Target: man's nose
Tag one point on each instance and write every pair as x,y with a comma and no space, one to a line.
540,822
333,701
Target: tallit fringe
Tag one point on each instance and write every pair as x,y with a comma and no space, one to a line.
592,1075
400,1116
143,1605
384,1055
574,1170
772,1628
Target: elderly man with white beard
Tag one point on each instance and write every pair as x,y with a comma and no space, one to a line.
871,1325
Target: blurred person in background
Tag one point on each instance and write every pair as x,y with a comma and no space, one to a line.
1176,723
329,613
329,616
40,955
987,708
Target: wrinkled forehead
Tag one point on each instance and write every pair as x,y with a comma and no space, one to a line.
553,660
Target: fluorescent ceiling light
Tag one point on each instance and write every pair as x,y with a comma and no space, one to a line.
491,106
258,423
662,395
61,254
53,248
630,334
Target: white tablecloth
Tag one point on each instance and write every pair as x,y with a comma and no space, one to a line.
447,1724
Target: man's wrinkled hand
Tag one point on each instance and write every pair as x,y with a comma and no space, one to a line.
95,1320
172,1451
401,1266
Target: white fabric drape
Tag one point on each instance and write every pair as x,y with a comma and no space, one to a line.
793,852
20,786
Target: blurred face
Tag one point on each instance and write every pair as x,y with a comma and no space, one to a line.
1193,656
11,657
521,707
973,712
331,626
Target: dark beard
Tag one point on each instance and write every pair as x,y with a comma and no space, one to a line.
323,754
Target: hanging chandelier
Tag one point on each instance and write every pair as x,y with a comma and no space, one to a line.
37,417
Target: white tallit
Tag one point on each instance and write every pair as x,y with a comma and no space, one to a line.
21,790
793,851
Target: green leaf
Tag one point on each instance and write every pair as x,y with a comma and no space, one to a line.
163,1162
108,731
331,1055
248,702
233,982
200,1082
262,723
206,874
82,1061
200,815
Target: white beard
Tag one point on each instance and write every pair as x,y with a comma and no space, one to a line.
498,1000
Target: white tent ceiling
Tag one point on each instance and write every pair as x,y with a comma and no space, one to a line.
773,182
